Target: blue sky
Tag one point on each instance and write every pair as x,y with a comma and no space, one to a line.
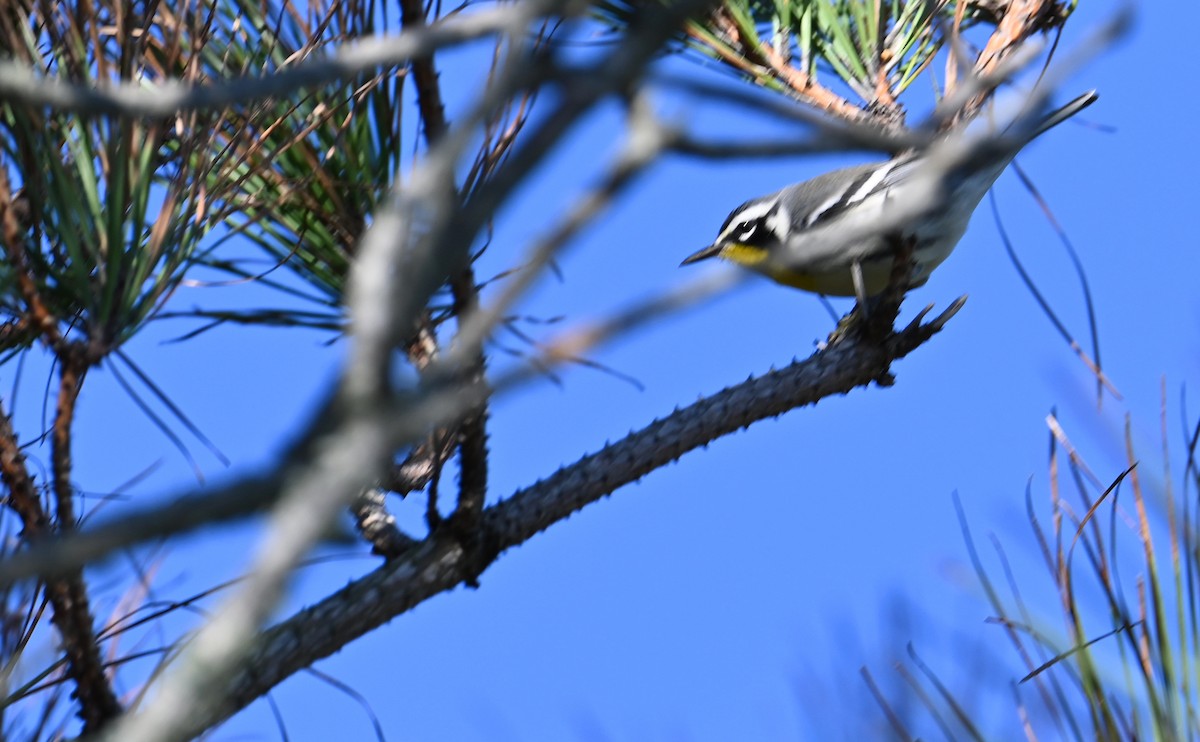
738,592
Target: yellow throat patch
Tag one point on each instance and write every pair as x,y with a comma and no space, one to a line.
754,258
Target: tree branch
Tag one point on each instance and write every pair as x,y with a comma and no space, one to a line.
440,563
67,594
399,266
19,83
470,432
378,526
36,312
72,366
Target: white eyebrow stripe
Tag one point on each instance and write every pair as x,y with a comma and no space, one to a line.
748,214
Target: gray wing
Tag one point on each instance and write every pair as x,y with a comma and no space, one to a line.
834,192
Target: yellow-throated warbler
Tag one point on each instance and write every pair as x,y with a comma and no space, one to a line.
826,234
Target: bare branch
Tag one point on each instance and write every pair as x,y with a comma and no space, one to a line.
37,313
409,420
420,241
21,84
647,140
470,433
251,495
397,269
378,526
72,367
440,563
67,594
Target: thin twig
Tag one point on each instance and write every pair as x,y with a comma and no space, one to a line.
471,431
37,313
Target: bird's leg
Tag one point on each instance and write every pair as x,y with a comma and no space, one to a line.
860,286
900,280
858,316
885,306
874,315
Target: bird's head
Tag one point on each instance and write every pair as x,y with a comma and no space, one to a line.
750,233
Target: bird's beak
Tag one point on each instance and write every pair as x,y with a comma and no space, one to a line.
709,252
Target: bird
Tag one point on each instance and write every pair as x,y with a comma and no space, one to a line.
836,234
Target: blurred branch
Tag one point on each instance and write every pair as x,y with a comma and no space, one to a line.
23,85
441,561
447,395
408,418
470,432
751,50
418,468
421,239
425,75
398,268
646,140
378,525
1020,21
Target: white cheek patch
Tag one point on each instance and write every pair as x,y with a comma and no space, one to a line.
779,222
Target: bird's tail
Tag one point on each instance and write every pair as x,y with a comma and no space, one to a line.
1065,112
